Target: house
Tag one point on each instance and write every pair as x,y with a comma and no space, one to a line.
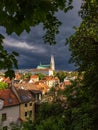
34,88
17,76
39,85
9,108
25,107
67,82
37,94
51,81
27,104
42,86
26,86
34,78
17,105
28,94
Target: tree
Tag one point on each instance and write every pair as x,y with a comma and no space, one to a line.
50,117
61,75
40,75
3,85
84,50
26,75
28,125
7,60
17,16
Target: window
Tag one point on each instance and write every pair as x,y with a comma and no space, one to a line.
36,97
30,113
40,96
3,116
31,104
26,105
26,113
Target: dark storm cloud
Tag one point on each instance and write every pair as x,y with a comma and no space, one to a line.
34,51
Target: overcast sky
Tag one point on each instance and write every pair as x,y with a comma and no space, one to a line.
32,49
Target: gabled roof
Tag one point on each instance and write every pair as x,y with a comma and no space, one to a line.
25,95
25,86
34,77
9,97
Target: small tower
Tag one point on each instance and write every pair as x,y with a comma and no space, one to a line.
52,63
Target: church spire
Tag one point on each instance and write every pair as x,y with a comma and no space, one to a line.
52,63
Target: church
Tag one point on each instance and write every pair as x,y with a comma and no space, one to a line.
47,69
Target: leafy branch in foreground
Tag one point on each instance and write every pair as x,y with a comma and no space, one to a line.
7,60
83,45
17,16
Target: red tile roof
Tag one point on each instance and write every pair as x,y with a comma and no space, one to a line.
25,86
67,82
33,77
36,86
9,97
7,80
17,76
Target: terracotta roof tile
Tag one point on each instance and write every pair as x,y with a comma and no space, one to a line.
26,86
9,97
33,77
67,82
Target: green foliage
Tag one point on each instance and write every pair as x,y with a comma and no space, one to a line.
40,75
3,85
61,75
50,117
49,109
26,75
84,42
28,125
14,126
84,50
7,60
50,123
21,15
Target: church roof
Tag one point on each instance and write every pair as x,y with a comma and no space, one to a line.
43,66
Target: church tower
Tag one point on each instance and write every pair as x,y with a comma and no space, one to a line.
52,63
